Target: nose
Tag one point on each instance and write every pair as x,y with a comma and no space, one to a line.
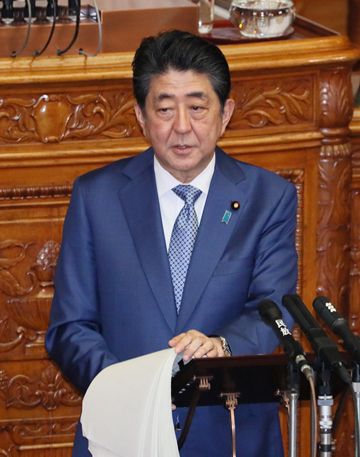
182,122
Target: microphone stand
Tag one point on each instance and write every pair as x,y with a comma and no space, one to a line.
51,10
18,14
291,400
325,403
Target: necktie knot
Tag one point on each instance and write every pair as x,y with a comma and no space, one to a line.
187,193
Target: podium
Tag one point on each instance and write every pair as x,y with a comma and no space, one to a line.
231,381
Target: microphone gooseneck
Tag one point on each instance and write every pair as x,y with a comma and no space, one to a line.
73,5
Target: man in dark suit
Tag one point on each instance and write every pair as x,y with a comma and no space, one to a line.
121,290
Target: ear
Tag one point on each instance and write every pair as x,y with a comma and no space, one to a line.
140,117
227,113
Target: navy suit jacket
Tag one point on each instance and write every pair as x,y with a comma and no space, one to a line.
113,292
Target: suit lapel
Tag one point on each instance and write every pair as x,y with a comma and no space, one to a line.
141,207
213,235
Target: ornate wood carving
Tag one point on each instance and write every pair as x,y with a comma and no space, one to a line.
336,105
49,390
32,312
23,193
29,437
13,252
297,178
355,262
24,432
52,118
354,312
267,103
333,232
29,311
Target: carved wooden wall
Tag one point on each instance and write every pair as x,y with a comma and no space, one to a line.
354,311
62,117
354,299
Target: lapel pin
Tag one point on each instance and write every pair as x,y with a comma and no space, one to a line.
226,217
235,205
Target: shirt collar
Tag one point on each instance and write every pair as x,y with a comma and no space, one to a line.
165,181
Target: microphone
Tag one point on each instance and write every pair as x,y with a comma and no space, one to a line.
328,313
324,347
271,314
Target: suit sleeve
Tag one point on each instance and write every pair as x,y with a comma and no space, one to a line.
74,339
274,275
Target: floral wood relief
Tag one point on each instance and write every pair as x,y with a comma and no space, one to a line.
336,99
13,252
265,103
58,117
49,390
29,311
333,232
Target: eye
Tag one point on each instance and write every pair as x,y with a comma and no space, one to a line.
198,111
165,111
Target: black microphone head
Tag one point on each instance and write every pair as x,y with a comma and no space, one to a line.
300,312
269,311
326,310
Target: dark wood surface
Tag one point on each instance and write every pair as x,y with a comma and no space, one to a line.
256,379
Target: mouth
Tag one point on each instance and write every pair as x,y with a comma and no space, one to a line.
181,148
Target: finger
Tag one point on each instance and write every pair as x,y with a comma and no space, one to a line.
174,341
205,349
183,344
187,342
199,344
213,353
192,333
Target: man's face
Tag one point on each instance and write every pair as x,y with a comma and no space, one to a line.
183,120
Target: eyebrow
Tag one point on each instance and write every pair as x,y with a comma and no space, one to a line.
197,94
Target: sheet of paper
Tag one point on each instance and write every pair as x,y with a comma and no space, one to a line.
127,408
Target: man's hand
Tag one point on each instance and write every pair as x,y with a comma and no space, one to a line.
195,344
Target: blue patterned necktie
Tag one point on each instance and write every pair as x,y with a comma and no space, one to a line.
183,239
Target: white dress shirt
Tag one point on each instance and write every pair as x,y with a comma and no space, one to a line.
170,203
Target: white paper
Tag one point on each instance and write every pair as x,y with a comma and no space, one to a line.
127,409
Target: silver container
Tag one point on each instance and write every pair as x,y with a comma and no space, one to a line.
262,18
